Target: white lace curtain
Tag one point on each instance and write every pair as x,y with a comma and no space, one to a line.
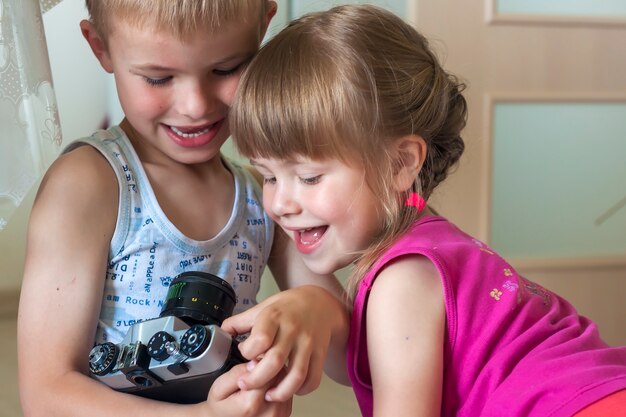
30,132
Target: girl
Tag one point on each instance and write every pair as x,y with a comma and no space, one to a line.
352,132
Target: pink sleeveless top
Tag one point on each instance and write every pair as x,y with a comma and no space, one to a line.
512,348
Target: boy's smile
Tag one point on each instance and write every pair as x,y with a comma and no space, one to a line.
193,137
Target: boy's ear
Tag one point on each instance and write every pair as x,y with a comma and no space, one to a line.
272,7
410,152
96,44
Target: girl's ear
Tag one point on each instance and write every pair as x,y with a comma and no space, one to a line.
96,44
410,153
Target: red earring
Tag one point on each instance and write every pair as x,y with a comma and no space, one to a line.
415,200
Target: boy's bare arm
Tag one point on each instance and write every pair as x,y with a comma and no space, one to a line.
69,232
68,242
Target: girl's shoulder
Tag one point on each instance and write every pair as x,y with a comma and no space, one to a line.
428,233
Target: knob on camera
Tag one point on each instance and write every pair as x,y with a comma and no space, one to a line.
177,356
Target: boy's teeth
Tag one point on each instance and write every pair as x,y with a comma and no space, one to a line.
190,135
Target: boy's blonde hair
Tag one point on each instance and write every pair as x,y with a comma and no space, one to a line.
346,83
182,18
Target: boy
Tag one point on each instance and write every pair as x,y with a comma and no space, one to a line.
152,197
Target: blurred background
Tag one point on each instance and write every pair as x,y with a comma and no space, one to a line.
542,179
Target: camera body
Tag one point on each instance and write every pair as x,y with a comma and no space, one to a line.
177,356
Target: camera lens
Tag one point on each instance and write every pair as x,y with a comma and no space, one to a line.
199,298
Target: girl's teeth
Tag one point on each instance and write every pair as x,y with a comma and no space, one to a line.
312,235
190,135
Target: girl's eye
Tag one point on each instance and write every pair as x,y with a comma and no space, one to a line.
271,180
311,180
157,81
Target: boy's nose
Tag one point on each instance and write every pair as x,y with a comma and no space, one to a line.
195,102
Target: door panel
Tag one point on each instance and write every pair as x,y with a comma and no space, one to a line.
537,59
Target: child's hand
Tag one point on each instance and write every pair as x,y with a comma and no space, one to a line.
291,330
225,399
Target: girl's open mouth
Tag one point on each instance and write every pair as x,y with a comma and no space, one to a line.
312,235
307,239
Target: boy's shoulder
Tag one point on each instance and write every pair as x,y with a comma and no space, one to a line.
78,190
83,163
91,155
99,139
82,170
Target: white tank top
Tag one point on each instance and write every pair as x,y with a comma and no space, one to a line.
147,251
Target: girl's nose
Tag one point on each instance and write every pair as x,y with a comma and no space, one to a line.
284,202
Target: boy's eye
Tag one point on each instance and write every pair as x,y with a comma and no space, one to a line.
270,180
227,72
157,81
311,180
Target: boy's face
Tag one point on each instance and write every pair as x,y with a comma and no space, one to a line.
177,94
325,206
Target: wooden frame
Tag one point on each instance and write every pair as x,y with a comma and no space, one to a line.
490,102
492,16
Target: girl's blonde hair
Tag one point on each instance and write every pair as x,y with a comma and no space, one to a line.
346,83
182,18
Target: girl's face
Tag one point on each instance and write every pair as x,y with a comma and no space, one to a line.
325,206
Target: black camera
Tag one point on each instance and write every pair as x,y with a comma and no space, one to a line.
177,356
